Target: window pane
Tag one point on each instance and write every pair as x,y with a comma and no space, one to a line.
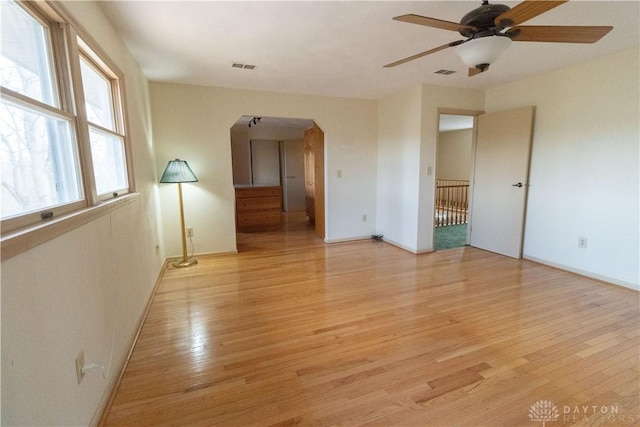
109,163
38,160
25,61
97,95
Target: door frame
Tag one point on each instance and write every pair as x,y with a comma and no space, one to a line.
456,112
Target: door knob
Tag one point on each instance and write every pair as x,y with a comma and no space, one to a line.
519,185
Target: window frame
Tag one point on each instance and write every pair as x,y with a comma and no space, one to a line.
105,67
34,217
68,41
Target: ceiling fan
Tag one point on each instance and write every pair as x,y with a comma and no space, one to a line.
490,29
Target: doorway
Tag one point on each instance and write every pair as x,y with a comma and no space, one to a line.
495,204
454,155
268,153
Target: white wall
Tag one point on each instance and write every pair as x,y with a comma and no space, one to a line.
85,289
408,134
454,154
399,126
584,165
241,155
193,123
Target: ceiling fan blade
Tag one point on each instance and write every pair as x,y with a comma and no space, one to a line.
557,34
433,22
476,71
425,53
526,10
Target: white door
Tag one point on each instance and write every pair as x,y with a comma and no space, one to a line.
501,171
293,176
265,162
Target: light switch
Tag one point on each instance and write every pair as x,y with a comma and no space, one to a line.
429,170
339,173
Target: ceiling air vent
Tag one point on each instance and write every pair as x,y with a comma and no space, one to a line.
444,72
241,65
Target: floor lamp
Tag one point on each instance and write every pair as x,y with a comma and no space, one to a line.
178,171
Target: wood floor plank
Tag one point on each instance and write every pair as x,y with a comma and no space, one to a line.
293,331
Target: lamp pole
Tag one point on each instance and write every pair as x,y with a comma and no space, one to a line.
185,261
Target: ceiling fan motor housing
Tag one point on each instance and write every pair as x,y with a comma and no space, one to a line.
482,18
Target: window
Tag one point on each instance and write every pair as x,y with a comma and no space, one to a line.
38,157
39,161
27,65
63,143
105,133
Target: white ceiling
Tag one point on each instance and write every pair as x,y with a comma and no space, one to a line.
338,48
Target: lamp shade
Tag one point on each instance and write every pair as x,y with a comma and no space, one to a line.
178,171
483,51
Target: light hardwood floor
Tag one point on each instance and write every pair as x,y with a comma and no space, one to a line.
292,331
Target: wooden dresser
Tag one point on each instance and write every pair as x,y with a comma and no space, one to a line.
258,208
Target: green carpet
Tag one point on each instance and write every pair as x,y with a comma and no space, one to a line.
451,236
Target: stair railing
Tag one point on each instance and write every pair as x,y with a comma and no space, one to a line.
452,202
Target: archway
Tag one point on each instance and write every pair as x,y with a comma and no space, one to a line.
269,155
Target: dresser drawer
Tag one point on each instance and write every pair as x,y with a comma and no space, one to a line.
258,204
251,192
250,220
258,208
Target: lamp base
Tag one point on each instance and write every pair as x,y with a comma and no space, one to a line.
183,264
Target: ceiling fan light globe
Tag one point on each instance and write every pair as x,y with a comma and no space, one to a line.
482,51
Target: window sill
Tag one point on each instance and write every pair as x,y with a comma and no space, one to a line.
19,241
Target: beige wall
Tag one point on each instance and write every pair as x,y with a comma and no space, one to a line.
194,123
454,154
584,179
399,118
241,155
85,290
408,132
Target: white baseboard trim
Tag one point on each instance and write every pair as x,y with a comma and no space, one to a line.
200,254
119,366
400,245
347,239
611,280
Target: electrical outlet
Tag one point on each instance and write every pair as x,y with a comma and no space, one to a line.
582,242
157,249
189,231
79,365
